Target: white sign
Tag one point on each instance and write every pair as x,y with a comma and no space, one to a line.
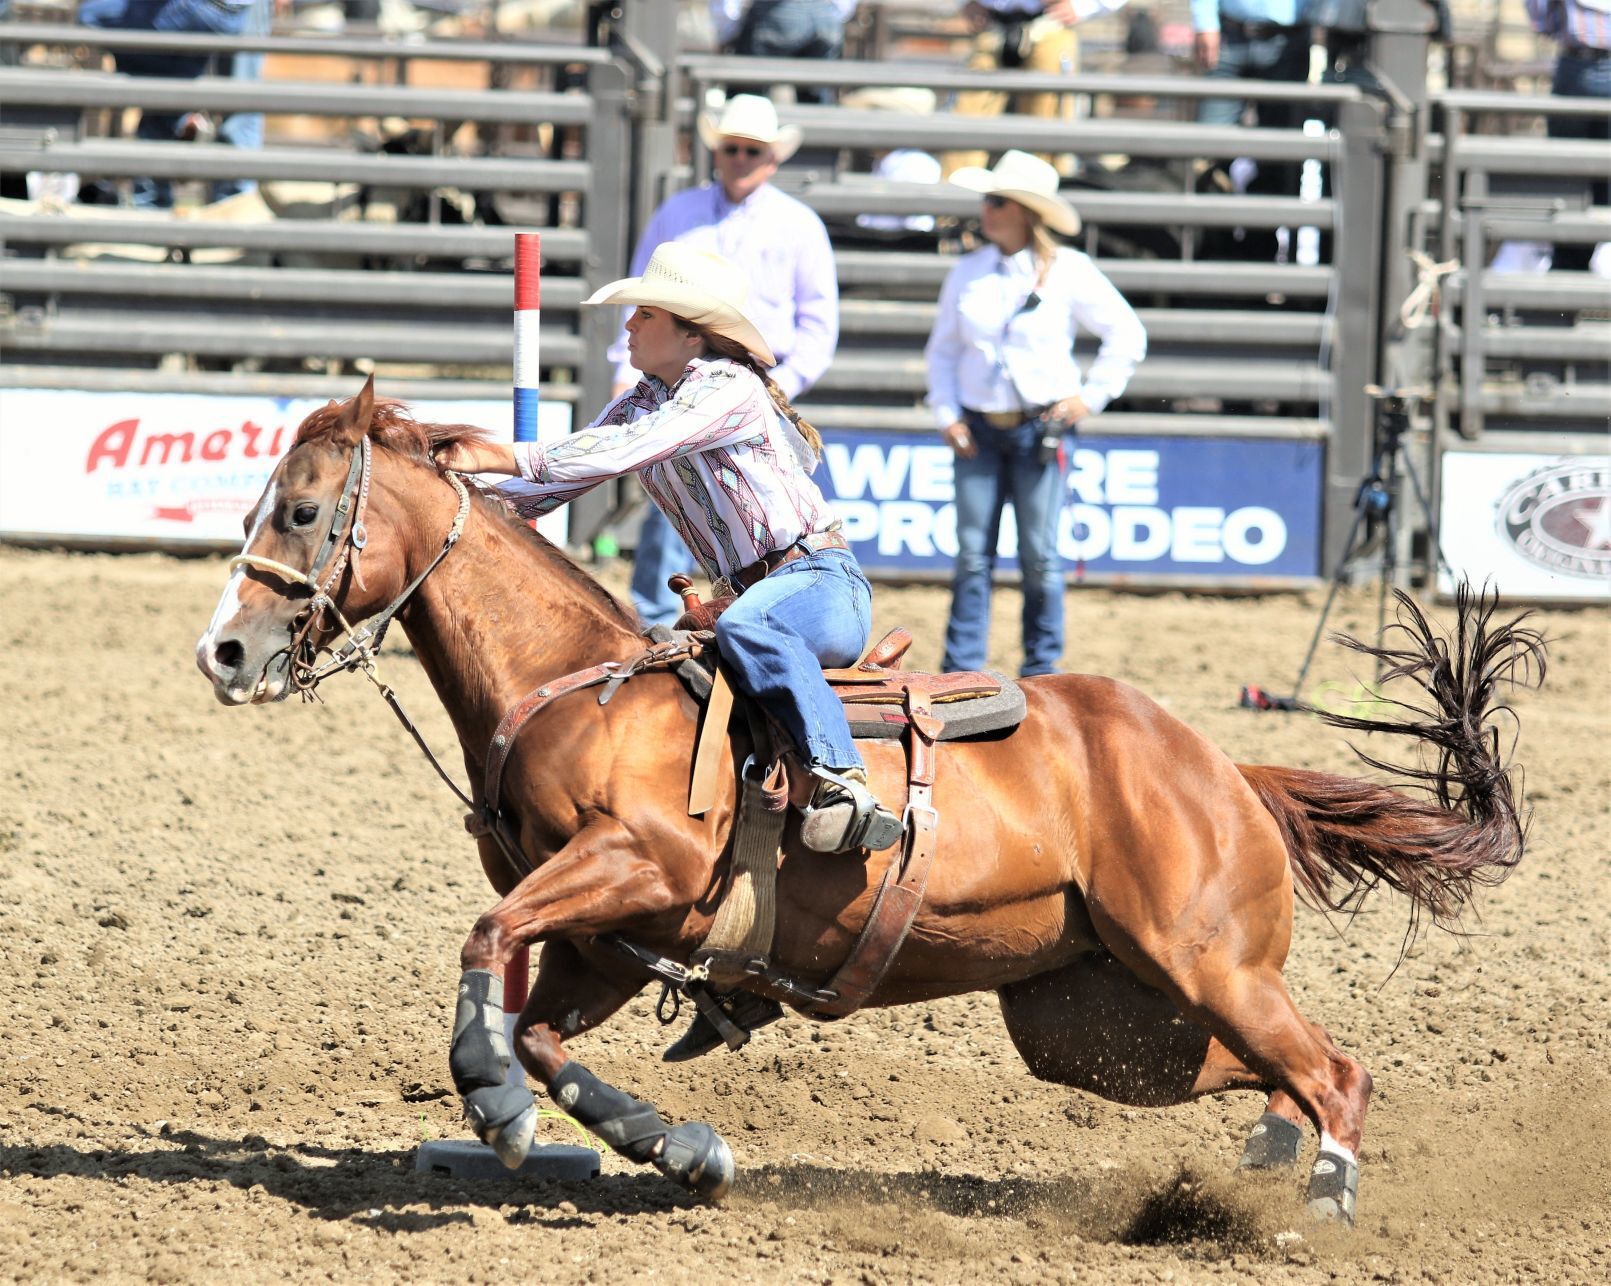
1537,526
174,468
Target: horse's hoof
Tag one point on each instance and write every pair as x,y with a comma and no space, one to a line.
1334,1188
1273,1144
699,1159
512,1143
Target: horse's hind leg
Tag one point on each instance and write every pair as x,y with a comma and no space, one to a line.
1233,989
1093,1025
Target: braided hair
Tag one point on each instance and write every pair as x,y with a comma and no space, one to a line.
730,348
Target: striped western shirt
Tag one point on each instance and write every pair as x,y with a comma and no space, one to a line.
712,453
1571,22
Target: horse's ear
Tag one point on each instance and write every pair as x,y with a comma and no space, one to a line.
356,415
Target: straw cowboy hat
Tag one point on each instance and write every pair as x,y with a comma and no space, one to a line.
697,286
750,116
1028,180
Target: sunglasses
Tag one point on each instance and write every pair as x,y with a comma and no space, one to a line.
751,150
997,202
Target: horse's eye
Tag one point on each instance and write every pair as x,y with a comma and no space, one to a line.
304,514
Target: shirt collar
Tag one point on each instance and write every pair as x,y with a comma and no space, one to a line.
725,207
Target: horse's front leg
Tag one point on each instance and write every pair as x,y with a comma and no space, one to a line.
572,995
596,884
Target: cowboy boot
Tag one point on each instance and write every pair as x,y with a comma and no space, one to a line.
843,815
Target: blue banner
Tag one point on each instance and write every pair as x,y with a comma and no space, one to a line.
1219,507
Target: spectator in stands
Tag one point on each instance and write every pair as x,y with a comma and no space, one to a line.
784,29
1582,29
218,17
245,129
1254,40
782,248
1006,392
1027,34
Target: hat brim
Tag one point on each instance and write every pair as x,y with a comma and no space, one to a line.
784,145
1056,213
691,305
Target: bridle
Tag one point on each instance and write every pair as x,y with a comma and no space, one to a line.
344,543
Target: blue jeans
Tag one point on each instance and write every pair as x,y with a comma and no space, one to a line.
1006,466
794,29
1282,55
162,15
245,129
660,555
782,631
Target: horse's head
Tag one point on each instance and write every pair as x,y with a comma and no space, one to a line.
298,576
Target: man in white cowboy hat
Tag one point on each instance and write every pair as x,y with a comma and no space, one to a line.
782,248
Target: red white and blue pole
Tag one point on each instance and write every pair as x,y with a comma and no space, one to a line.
528,310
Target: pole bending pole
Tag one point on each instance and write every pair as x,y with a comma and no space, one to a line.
528,309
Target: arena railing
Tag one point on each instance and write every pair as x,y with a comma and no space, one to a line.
1202,346
71,300
1522,358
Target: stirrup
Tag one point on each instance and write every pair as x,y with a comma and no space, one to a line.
741,1013
868,824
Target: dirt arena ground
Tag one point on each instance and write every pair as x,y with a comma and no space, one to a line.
229,943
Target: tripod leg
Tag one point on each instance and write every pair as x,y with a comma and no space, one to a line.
1431,520
1337,575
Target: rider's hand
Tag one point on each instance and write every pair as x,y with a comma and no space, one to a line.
959,439
477,457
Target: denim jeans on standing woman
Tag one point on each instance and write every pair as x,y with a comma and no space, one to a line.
780,634
1006,466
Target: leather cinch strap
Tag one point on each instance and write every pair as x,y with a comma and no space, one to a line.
900,893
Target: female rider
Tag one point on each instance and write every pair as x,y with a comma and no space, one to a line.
727,459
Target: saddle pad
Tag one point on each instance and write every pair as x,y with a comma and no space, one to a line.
958,719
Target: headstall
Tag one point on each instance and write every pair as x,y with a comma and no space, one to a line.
344,543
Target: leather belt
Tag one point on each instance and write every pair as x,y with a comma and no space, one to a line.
1007,419
764,566
1257,30
1585,53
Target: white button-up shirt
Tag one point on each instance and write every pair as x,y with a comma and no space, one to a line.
988,352
712,453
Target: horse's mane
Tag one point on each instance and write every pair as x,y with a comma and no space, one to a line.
392,427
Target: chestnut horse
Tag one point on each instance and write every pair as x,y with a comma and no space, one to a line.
1123,885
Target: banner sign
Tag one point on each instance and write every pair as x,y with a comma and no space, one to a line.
1536,526
1212,507
173,468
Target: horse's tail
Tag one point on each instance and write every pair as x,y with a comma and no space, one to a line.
1344,836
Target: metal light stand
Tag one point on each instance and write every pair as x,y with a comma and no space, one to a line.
1376,515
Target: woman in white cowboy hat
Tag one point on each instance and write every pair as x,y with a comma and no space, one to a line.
728,460
1006,390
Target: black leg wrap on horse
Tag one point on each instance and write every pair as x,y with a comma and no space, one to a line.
1334,1187
1273,1144
630,1126
479,1056
492,1107
697,1157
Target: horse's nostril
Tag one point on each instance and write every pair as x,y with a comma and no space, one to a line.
228,655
